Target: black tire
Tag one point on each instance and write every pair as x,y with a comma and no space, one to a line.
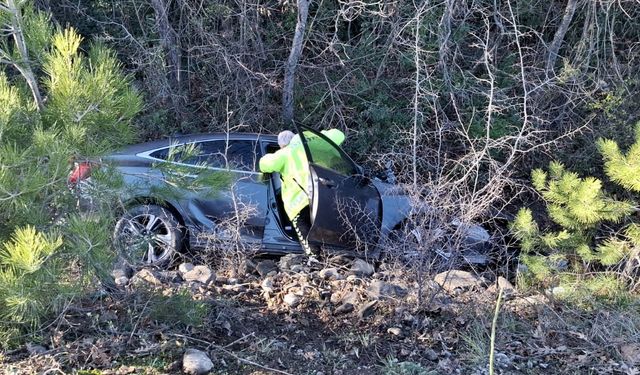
148,234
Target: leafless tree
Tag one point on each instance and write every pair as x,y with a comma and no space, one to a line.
292,62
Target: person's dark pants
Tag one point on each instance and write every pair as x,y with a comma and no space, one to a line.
302,225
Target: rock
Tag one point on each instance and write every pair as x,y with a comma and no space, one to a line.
121,274
145,276
265,267
559,291
196,362
527,304
201,274
330,274
185,267
351,298
121,281
291,299
267,285
505,285
325,294
288,261
335,298
362,268
34,349
456,279
408,319
502,360
396,331
340,260
169,276
379,289
345,308
235,288
246,267
431,355
297,268
367,310
507,288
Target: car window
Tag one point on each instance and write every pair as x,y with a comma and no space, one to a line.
234,154
327,155
163,153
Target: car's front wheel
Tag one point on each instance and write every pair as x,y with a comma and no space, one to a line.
148,234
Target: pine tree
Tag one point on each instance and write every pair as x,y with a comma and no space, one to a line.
595,234
88,110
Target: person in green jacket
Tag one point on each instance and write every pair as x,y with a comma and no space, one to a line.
291,162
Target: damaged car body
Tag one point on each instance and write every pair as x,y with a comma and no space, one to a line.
350,212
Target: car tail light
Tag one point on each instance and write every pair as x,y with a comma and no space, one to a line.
81,171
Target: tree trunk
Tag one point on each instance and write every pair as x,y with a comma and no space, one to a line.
558,38
292,62
24,65
173,58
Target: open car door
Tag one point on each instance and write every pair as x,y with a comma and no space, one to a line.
346,208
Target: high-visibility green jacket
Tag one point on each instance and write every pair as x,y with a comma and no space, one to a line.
291,163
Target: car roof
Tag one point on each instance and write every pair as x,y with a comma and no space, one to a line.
189,138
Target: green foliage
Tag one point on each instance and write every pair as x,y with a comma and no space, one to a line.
47,255
392,366
89,96
577,203
622,168
177,309
596,233
29,280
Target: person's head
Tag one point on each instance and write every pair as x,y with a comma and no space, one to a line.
284,137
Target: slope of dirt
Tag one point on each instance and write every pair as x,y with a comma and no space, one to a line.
285,316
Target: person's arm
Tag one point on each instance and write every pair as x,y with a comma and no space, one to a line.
335,135
272,162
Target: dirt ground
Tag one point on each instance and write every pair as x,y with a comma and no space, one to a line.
286,317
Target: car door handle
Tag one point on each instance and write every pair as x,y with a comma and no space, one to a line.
326,182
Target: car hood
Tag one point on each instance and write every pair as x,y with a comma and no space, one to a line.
397,207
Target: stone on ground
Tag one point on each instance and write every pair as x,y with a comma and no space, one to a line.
379,289
201,274
265,267
196,362
345,308
367,309
330,274
288,261
456,279
185,267
145,276
362,268
292,300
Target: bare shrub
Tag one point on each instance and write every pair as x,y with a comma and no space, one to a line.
229,245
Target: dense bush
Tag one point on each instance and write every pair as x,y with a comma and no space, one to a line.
594,241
